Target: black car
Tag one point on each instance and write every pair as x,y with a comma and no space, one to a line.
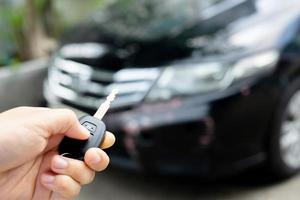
205,87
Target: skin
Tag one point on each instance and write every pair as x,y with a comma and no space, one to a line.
30,167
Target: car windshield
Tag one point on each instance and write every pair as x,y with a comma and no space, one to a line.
144,19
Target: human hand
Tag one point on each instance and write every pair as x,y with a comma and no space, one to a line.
30,167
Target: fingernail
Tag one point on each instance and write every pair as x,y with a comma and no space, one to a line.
96,159
48,179
60,163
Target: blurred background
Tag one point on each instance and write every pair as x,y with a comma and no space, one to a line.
209,91
30,29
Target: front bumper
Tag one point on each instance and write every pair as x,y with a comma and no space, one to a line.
164,138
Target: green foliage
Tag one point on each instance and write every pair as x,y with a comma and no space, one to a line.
12,20
54,15
40,4
14,28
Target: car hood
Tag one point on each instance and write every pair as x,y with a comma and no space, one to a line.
227,29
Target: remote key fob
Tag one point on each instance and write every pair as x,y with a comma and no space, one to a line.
76,149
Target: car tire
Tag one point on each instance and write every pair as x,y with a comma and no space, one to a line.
284,148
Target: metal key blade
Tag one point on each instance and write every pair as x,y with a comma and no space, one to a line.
105,105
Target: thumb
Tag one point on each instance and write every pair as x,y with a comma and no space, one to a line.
65,122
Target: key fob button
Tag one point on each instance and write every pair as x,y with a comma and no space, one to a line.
90,126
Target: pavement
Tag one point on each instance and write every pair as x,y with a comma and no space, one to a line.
115,184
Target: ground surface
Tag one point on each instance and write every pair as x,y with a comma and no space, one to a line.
116,184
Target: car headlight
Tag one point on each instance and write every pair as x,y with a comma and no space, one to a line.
201,78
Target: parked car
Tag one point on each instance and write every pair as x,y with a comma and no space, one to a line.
206,88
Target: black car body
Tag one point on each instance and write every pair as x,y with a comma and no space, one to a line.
202,87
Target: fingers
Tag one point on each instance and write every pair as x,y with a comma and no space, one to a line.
109,140
96,159
67,175
76,169
63,121
70,174
63,187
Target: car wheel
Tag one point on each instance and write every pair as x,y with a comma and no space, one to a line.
285,140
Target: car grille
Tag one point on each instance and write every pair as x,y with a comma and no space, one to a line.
86,86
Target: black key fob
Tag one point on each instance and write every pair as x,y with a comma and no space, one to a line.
76,149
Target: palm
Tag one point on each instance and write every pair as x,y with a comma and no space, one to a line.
22,181
24,178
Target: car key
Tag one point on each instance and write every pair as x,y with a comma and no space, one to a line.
76,149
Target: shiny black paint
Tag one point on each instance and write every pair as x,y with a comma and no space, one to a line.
210,136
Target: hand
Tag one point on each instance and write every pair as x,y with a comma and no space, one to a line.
29,165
